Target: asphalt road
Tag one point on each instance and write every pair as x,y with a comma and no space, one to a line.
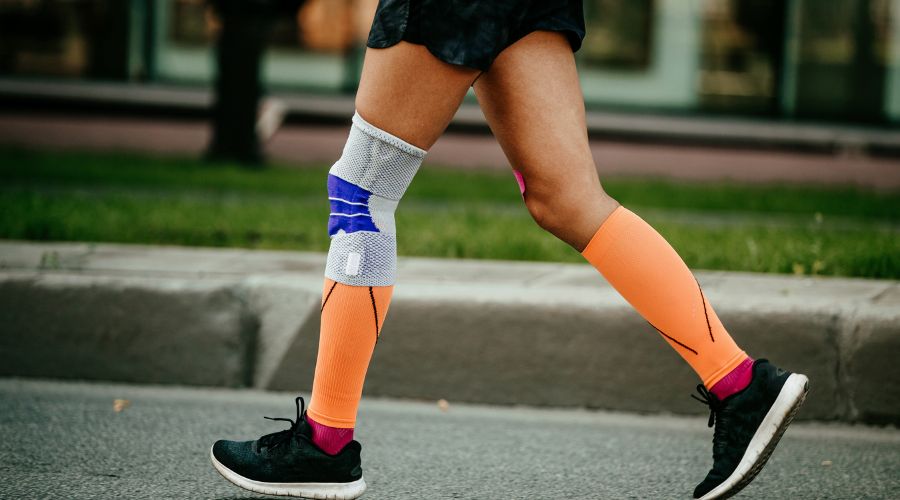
64,440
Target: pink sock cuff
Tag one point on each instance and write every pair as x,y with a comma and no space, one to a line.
331,439
736,380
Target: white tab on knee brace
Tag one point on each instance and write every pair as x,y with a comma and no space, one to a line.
353,260
364,188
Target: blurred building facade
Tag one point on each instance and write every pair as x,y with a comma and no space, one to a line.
832,60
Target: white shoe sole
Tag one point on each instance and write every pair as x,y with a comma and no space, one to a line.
317,491
792,395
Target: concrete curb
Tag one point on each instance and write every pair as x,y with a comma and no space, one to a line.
476,331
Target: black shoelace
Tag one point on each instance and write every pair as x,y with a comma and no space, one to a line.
718,417
278,438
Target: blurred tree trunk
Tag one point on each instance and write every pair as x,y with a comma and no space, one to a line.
240,46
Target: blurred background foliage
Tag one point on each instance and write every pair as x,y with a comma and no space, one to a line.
446,213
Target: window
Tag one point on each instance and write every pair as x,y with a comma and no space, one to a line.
618,34
742,55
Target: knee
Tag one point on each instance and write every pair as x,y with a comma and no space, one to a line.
567,212
544,210
363,191
551,213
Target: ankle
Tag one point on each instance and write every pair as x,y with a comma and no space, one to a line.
330,439
735,381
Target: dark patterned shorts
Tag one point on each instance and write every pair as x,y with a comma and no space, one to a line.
472,33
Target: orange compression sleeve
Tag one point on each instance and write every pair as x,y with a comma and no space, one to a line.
650,275
352,317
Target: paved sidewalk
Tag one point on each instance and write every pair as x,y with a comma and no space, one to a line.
539,334
323,144
63,440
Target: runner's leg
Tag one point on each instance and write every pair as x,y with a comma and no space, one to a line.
405,101
399,118
533,103
532,99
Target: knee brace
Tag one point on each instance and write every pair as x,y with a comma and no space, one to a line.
364,188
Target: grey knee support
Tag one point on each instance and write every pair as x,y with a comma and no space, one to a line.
364,187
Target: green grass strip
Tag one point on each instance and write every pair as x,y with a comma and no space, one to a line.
54,196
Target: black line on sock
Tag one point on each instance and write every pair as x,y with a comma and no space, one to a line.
672,339
327,297
708,326
375,310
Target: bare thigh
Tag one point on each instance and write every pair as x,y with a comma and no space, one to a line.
532,100
406,91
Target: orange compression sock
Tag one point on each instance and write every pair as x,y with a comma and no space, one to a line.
351,322
650,275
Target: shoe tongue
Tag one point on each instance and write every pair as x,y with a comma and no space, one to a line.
303,428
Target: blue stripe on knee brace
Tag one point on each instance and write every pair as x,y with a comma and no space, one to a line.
349,207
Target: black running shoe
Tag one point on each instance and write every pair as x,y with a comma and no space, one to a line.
748,426
287,463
